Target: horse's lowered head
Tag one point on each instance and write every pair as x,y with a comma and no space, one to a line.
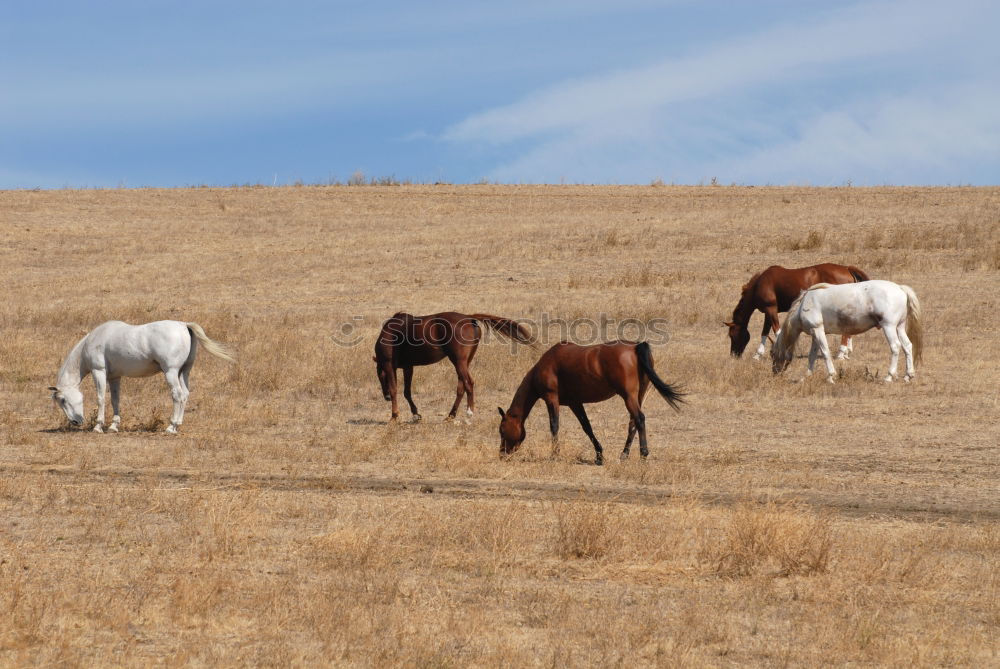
780,359
511,432
384,371
739,337
70,400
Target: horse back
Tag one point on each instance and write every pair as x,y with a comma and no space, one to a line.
424,340
587,374
140,350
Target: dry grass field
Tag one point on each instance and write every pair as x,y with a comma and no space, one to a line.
775,523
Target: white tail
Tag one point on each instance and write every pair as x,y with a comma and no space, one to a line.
215,348
914,327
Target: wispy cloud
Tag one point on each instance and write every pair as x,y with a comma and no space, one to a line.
893,80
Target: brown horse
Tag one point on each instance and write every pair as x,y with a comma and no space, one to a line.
408,341
577,375
772,291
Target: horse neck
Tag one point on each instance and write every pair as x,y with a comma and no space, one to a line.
744,308
73,368
524,399
790,330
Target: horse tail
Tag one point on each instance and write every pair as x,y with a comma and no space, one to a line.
858,274
670,394
507,327
914,327
213,347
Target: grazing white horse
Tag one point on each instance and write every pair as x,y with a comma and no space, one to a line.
850,309
115,349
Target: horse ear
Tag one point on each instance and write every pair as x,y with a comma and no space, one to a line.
53,388
374,359
727,325
502,414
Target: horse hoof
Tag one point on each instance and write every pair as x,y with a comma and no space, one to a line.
449,418
887,379
756,356
171,430
417,418
599,461
113,428
98,428
830,379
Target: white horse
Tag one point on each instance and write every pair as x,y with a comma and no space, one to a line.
115,349
850,309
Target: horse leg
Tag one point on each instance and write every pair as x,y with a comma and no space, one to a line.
459,389
581,415
819,341
179,395
904,340
770,322
470,399
408,392
813,352
628,439
470,385
392,396
637,424
116,386
846,346
552,404
893,340
101,384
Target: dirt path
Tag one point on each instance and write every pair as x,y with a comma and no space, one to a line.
846,505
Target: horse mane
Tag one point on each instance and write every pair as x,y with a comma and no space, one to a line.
750,284
798,300
71,365
744,308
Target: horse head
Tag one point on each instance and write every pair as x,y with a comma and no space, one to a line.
70,400
511,432
739,337
781,355
386,375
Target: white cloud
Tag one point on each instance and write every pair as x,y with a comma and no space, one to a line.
909,106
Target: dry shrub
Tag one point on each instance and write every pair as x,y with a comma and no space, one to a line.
153,422
582,530
773,539
811,241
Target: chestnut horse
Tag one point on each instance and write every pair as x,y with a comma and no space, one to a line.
772,292
408,341
576,375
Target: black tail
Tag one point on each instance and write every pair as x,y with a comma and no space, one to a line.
858,275
645,356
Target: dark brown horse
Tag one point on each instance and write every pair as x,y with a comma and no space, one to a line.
577,375
772,291
408,341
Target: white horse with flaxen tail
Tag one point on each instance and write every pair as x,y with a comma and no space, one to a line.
115,349
850,309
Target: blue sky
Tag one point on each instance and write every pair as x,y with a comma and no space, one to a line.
526,91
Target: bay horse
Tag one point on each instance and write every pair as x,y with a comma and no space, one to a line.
115,349
408,341
853,309
576,375
772,292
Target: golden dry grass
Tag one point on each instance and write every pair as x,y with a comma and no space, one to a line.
775,523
